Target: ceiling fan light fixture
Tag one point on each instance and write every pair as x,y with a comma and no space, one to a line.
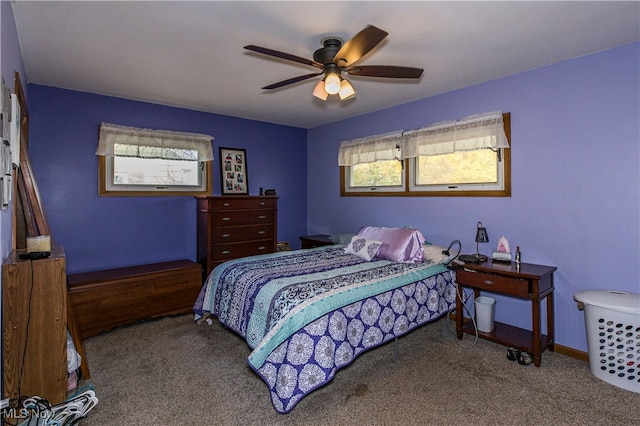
319,91
336,57
332,83
346,90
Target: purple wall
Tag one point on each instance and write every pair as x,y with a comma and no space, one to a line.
575,173
10,47
10,62
107,232
575,159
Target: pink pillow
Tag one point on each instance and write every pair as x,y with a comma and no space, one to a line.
403,245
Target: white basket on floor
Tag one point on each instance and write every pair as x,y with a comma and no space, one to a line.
612,320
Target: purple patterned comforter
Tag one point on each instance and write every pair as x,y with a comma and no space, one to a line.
308,313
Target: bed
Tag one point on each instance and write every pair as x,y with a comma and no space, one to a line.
307,313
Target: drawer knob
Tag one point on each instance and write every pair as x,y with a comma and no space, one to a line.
226,252
488,282
262,232
261,216
261,248
226,204
262,203
226,218
226,235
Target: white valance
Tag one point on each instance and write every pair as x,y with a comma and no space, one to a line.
372,148
475,132
471,133
147,143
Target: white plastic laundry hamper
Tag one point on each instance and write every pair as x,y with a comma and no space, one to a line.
612,320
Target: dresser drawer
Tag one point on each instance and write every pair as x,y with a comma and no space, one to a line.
248,217
242,233
491,282
233,251
231,203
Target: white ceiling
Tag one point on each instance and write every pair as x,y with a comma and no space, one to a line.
190,54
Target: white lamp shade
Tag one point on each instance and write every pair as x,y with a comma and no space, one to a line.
346,90
319,91
332,83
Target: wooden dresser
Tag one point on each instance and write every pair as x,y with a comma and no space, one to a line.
235,226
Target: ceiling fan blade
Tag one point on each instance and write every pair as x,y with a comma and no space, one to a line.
282,55
290,81
359,45
385,71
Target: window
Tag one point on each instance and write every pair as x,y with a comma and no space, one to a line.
153,162
470,157
383,175
373,164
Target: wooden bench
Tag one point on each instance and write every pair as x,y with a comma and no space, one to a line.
103,300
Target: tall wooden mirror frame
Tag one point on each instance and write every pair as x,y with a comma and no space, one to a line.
29,218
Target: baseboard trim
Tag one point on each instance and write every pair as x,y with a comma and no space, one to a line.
565,350
573,353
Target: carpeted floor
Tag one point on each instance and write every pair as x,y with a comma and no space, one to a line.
173,372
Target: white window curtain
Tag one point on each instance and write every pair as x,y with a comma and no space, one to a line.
116,140
387,146
471,133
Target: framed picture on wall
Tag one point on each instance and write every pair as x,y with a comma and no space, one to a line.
233,171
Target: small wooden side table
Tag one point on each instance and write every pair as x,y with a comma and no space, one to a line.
526,281
312,241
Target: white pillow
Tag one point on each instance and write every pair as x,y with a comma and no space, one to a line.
340,238
434,253
361,247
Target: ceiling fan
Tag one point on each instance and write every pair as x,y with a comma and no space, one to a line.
334,58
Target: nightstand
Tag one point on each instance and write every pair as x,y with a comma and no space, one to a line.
527,281
311,241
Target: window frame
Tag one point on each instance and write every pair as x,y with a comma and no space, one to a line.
106,185
376,189
118,141
408,167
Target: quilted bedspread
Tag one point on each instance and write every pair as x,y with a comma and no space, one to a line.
308,313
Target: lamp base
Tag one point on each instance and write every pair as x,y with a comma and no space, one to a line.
473,258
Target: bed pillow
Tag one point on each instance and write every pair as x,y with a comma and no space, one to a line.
362,247
433,253
340,238
403,245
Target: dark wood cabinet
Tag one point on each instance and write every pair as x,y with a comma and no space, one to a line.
524,281
311,241
34,299
235,226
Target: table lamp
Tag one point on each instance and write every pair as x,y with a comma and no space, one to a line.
481,237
